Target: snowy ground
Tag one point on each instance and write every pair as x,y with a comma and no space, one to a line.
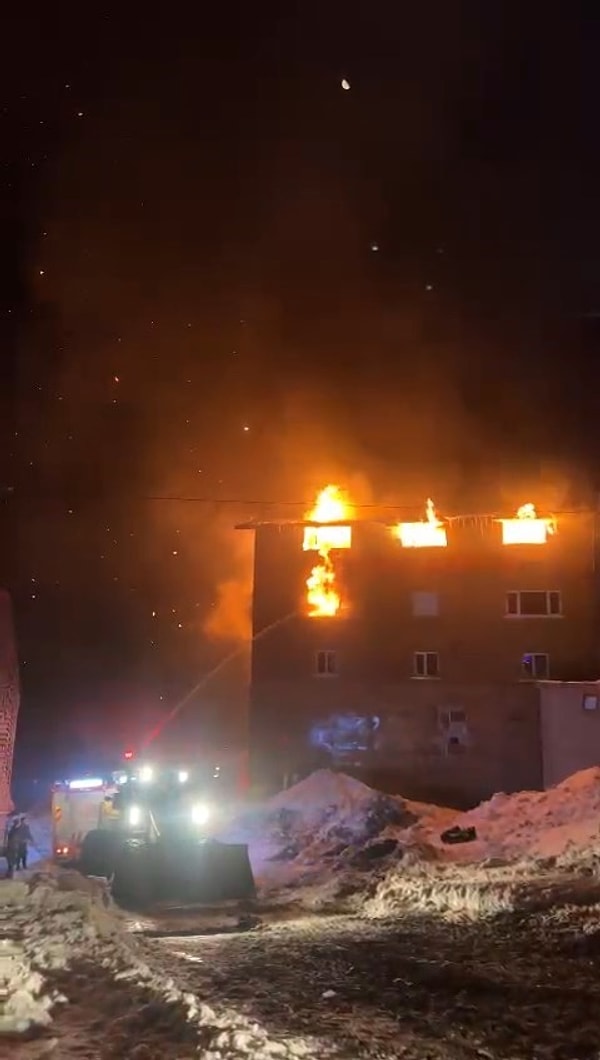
418,987
369,939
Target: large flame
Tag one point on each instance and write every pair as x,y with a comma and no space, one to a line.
526,528
429,533
330,507
322,593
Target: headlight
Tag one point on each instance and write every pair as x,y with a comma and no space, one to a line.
182,776
134,816
146,774
200,813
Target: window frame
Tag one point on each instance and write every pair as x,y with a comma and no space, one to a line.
426,676
520,614
533,655
327,654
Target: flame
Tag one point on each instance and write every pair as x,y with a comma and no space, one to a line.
322,596
322,593
527,511
429,533
527,528
330,507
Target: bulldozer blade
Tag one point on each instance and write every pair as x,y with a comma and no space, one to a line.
212,872
181,873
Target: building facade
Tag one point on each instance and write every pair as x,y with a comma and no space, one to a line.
425,681
570,728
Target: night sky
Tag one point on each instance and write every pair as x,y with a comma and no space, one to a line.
228,279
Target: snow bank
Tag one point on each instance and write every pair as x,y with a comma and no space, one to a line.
58,921
338,842
565,819
317,826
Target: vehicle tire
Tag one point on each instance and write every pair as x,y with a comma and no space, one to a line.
132,885
98,853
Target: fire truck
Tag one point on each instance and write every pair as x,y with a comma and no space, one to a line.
77,810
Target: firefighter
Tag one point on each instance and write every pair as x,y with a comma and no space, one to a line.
109,814
23,837
12,848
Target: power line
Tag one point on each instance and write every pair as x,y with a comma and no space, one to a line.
8,494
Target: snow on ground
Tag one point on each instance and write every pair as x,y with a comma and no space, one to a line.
57,923
332,841
329,844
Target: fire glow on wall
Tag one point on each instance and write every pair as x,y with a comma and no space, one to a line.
429,533
322,589
527,528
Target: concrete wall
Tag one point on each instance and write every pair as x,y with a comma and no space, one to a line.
417,749
570,733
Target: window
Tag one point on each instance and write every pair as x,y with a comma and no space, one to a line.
533,603
536,665
425,603
426,664
326,664
590,702
455,736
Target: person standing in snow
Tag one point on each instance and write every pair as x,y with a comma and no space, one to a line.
24,836
12,848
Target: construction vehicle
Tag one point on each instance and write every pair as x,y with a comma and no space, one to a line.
155,839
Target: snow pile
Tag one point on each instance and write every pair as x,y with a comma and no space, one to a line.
340,844
533,850
561,821
62,921
320,825
49,921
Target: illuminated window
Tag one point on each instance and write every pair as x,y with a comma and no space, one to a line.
426,664
536,665
590,702
533,603
425,603
326,664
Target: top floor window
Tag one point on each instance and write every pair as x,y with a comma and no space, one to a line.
534,603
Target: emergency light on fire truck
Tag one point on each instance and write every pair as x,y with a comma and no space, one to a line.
85,784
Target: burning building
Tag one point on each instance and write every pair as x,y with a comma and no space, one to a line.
412,651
